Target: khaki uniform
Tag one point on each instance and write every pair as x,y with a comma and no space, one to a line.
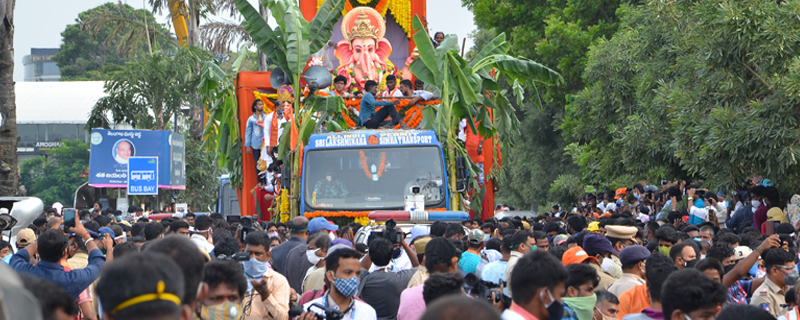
616,269
606,280
771,294
418,278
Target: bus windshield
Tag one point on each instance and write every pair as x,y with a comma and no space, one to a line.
372,178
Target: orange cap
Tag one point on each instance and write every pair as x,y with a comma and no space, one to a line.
575,255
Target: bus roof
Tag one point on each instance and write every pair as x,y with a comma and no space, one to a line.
372,138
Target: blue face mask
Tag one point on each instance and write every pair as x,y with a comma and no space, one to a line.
396,253
119,218
346,287
753,270
253,269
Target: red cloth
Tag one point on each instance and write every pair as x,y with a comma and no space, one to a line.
263,205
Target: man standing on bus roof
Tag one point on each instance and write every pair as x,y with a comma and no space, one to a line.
371,119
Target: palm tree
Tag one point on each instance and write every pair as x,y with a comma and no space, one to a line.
148,92
9,170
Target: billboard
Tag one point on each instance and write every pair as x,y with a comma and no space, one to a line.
111,149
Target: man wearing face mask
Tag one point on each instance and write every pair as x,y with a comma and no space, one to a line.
521,243
315,254
739,290
226,287
303,257
299,232
621,237
684,254
606,307
343,270
633,269
743,217
781,275
537,287
599,248
268,291
579,298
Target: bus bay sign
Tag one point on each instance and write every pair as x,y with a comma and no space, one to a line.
142,176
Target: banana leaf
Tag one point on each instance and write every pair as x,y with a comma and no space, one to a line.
262,34
297,50
426,50
526,70
321,27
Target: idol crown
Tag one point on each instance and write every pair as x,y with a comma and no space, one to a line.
362,28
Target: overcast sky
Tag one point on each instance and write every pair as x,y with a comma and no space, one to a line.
39,23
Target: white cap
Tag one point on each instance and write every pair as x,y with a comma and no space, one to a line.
741,252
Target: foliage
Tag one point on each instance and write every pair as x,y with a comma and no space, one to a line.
147,92
701,89
289,45
557,33
202,183
102,39
468,91
56,176
222,130
566,188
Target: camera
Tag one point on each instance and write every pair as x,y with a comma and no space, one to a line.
391,233
483,290
247,227
239,256
415,190
330,314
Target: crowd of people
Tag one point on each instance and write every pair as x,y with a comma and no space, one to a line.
560,265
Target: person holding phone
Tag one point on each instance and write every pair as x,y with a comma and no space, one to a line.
52,246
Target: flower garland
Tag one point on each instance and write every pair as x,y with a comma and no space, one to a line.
412,118
366,168
265,97
284,201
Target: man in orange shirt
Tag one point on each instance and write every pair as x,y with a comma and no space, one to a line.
643,302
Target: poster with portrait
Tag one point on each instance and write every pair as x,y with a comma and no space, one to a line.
111,149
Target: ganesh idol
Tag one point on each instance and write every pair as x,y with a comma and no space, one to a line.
364,52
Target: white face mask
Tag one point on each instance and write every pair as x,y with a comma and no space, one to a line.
607,264
755,203
332,235
312,257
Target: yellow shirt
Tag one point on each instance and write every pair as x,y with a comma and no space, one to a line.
276,306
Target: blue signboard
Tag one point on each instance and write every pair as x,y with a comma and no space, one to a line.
111,151
373,138
142,176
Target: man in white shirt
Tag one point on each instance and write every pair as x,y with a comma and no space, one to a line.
274,122
343,272
202,235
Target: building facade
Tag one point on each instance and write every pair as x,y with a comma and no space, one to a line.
40,66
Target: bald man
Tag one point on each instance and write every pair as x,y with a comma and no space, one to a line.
299,230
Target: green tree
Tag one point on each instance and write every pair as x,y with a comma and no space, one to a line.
56,176
202,183
103,38
557,33
707,90
146,93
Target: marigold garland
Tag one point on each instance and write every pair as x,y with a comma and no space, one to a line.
401,10
366,168
284,201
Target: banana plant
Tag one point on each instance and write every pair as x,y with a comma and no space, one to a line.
471,90
290,45
222,130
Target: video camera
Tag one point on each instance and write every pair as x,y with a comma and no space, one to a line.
330,314
247,227
391,233
483,290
